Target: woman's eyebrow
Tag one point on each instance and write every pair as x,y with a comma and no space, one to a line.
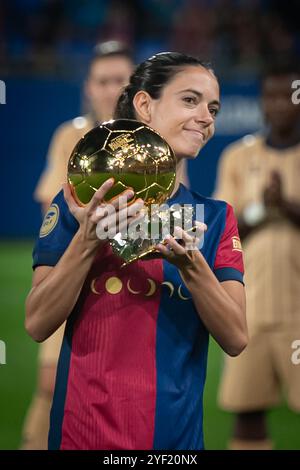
216,102
191,90
199,95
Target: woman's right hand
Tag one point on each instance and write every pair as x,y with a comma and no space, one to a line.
104,215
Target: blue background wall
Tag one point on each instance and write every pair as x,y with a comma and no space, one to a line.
34,108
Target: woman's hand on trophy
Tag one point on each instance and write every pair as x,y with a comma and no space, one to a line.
117,215
182,249
100,219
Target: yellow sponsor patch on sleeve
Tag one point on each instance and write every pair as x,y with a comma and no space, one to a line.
50,220
236,244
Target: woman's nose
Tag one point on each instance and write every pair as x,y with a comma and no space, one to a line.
204,116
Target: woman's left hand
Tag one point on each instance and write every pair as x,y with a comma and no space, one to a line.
183,250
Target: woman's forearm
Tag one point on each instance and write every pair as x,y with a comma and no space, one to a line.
50,302
223,317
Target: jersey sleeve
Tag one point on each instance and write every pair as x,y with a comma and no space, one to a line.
229,264
57,230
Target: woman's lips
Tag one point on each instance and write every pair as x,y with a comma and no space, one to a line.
199,134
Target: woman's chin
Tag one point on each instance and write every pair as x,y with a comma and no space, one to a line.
189,153
194,152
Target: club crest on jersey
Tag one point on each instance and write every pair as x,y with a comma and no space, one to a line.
50,220
236,244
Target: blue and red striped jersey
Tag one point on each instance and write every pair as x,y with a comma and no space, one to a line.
133,361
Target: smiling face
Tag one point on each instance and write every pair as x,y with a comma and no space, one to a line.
186,110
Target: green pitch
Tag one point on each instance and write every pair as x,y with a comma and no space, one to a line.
17,376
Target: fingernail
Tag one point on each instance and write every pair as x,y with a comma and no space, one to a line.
201,225
110,181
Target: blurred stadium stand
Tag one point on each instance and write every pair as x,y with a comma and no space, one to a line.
49,37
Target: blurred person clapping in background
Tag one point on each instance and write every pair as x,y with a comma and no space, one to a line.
259,176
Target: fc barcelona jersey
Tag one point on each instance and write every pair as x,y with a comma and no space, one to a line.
133,361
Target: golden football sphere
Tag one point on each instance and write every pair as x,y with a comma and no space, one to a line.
132,153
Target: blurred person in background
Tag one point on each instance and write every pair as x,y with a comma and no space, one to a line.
109,70
259,175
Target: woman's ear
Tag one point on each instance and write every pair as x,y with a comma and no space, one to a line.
142,105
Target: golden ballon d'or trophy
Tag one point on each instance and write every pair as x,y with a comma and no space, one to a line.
136,157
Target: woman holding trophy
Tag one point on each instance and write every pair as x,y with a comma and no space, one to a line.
132,366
